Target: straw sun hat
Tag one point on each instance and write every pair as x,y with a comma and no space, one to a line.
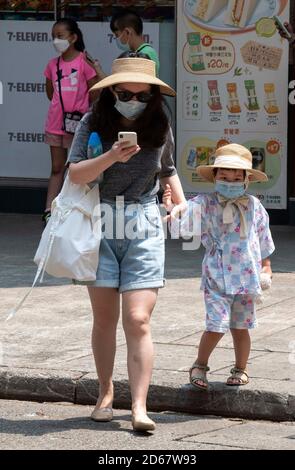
232,156
134,70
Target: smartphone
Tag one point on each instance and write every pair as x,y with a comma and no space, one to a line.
280,26
130,137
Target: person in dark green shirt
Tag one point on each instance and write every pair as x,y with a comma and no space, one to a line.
127,26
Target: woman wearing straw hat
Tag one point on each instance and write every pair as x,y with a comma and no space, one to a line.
234,230
132,265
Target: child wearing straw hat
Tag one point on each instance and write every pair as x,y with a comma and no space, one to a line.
234,229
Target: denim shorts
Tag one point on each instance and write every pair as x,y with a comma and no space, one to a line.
132,248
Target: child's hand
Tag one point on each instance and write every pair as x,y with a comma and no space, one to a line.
176,213
167,198
95,64
88,58
178,210
120,153
267,269
265,277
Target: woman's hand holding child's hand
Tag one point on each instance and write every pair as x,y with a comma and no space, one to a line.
174,209
167,198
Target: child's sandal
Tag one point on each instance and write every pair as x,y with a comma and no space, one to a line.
240,375
199,376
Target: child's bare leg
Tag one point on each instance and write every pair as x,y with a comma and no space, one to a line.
242,345
208,343
58,160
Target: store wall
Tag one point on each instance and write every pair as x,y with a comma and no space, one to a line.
167,39
291,136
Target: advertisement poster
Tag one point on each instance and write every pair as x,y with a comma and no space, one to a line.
232,82
25,49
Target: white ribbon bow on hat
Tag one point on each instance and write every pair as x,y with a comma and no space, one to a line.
228,214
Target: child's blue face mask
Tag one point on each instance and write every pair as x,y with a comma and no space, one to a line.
230,190
121,45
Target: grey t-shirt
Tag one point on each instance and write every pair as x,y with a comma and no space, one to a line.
136,179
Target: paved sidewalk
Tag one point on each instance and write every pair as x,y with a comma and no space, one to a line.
45,351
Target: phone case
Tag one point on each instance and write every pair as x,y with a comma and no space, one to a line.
130,137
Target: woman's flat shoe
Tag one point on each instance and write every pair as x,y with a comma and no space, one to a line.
143,423
102,414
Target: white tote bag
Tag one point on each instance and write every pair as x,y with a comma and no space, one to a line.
69,245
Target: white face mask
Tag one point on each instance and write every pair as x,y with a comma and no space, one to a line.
130,109
61,45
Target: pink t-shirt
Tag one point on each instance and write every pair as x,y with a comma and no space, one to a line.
75,75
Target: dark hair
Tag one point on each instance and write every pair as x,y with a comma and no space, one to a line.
73,28
216,169
126,19
127,54
151,127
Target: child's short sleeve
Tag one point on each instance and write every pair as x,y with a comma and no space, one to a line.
267,246
48,72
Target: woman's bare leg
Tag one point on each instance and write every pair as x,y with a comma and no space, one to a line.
106,310
138,306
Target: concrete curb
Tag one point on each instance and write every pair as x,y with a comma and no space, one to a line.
81,388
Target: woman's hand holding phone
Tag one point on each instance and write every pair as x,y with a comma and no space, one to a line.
122,153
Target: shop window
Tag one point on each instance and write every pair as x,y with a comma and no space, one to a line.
155,10
85,10
27,10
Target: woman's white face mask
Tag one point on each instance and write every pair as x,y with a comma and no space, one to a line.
130,109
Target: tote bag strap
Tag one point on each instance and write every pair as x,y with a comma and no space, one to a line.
40,270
